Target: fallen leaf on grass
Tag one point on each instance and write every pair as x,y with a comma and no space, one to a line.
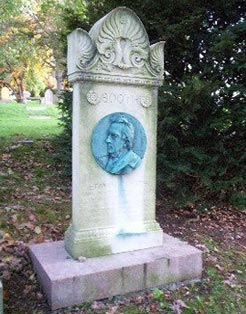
39,296
28,289
24,225
153,306
177,306
202,247
230,281
139,299
32,218
220,268
98,306
212,259
168,297
6,275
13,218
40,239
6,295
37,230
112,310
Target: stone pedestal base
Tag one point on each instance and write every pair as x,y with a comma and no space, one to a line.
68,282
108,241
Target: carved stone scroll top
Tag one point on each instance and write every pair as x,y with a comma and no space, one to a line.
116,45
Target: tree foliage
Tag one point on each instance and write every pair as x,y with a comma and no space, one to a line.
64,141
201,120
23,59
33,41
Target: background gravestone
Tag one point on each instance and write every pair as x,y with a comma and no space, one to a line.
48,98
5,93
26,95
115,75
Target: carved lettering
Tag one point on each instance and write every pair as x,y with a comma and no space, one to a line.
105,97
120,98
97,186
112,98
94,98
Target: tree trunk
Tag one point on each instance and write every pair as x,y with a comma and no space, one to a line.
59,80
20,96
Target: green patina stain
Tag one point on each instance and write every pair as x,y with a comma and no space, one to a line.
95,248
89,248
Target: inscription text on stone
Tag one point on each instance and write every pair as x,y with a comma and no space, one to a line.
95,98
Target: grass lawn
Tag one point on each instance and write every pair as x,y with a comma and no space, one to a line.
35,206
30,120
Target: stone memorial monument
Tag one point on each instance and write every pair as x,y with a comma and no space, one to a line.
114,244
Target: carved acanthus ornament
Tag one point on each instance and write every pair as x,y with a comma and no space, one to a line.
116,46
121,39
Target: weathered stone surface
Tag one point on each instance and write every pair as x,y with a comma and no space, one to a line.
68,282
1,297
114,71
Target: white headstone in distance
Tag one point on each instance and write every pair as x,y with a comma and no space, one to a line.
26,95
5,93
48,97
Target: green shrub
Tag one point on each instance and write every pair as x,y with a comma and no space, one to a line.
202,115
64,140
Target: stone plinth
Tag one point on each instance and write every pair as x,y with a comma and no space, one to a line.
68,282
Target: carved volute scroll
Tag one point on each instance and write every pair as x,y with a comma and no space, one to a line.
81,50
121,39
86,48
116,49
157,58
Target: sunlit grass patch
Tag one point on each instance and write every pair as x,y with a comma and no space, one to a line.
30,120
